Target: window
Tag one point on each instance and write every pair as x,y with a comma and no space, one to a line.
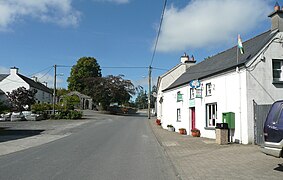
211,114
192,93
178,115
208,89
277,67
179,96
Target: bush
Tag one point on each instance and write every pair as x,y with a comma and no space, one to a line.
68,114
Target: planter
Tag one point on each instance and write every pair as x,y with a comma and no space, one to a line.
172,129
158,122
195,133
182,131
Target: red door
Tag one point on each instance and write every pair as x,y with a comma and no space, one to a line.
193,116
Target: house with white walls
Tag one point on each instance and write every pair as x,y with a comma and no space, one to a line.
14,80
165,80
229,83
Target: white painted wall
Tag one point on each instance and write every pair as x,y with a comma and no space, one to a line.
170,109
229,92
165,81
13,81
259,80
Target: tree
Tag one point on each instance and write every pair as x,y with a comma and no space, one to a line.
153,96
141,100
21,97
86,67
109,89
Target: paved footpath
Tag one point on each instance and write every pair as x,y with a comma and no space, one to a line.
201,158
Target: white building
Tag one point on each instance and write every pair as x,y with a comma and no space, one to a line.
229,82
165,80
14,80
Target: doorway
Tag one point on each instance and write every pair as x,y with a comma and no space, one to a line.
193,117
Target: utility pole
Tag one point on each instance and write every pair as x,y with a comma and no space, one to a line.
149,90
54,90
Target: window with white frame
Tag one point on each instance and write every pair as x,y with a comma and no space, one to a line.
277,67
178,115
208,89
211,114
192,93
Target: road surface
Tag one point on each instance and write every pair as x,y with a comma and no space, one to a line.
108,147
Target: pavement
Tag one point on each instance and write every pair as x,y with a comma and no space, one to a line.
200,158
193,158
21,135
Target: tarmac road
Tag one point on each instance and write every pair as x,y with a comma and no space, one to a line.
101,147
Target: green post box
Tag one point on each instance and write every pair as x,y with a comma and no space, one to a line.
229,117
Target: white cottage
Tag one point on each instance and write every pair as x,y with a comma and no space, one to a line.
165,80
14,80
229,83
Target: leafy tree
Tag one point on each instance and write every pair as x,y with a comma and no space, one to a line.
22,97
110,89
86,67
69,102
61,92
141,100
153,96
3,106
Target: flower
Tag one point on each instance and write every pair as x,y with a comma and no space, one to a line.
169,125
195,130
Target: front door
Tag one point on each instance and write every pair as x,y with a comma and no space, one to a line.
193,117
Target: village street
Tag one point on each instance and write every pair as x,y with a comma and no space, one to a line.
99,147
126,147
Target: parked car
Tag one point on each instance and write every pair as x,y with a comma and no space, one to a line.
273,130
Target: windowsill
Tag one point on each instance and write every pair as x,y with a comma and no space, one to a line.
209,128
277,82
208,95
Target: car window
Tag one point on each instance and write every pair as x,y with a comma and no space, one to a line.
280,117
274,113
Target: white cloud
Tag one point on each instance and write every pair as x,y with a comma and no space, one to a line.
49,79
114,1
59,12
204,23
4,70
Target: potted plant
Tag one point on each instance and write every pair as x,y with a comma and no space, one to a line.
171,127
158,122
195,132
182,131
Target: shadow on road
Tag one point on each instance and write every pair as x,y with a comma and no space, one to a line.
279,168
14,134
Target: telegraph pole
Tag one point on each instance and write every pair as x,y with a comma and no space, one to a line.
54,90
149,90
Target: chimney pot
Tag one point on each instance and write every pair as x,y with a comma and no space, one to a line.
14,70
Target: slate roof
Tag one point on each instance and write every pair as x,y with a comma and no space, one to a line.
36,85
3,76
224,61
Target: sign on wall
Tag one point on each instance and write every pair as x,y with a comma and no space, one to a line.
198,93
195,84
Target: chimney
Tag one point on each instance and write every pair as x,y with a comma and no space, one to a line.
185,58
277,18
14,70
34,78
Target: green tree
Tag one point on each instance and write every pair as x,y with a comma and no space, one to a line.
141,100
153,96
86,67
70,102
110,89
22,97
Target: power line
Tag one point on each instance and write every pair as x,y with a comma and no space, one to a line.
40,71
124,67
159,29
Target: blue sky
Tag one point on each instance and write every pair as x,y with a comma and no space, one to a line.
36,34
